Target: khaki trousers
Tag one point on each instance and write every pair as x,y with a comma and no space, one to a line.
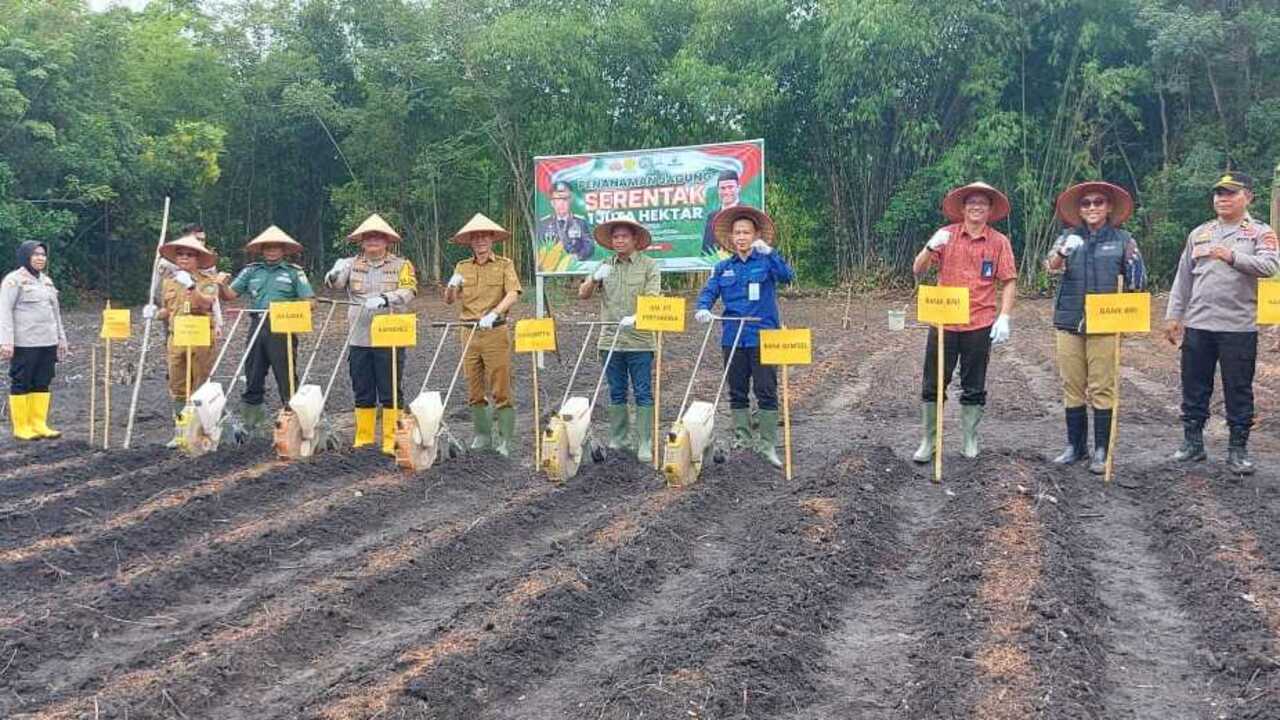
1086,364
201,361
488,366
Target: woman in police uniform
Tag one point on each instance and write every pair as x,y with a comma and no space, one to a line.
33,339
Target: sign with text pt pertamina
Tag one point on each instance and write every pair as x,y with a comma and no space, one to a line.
394,331
292,316
1111,313
536,335
790,346
1269,301
660,314
115,324
939,305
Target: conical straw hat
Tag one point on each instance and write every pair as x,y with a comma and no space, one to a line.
1068,205
274,236
169,251
604,231
478,226
953,203
374,224
723,227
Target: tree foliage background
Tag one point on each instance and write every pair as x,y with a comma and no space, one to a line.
311,113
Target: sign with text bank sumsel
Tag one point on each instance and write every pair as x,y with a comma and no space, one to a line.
674,192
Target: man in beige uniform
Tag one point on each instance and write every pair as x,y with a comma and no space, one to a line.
488,287
1213,317
381,283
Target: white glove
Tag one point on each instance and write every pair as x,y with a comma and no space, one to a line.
1000,331
939,240
149,312
602,272
761,247
488,320
183,278
340,266
703,316
1069,245
375,302
456,280
628,321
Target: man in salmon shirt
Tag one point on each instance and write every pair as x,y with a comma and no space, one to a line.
969,253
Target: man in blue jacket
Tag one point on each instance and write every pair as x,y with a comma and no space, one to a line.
746,283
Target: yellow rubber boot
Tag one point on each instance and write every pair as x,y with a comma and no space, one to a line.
18,414
38,415
366,418
389,431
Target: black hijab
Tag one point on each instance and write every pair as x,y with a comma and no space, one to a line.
26,250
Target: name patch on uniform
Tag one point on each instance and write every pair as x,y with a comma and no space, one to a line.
1110,313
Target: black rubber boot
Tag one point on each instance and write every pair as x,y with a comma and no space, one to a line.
1238,454
1077,431
1101,441
1192,449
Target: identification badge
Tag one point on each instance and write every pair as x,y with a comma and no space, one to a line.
988,269
1200,250
753,291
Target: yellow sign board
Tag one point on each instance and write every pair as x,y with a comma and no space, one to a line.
938,305
293,316
115,325
1269,302
192,331
535,335
660,314
394,331
792,346
1110,313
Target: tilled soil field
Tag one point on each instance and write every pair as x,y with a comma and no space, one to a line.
144,584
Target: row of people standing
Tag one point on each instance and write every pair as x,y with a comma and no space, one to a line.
1211,316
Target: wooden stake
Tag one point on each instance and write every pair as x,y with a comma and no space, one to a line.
288,344
1115,402
93,392
937,444
537,430
657,401
786,417
106,401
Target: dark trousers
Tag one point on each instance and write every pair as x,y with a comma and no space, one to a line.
633,368
269,353
746,373
371,376
1237,354
31,369
971,349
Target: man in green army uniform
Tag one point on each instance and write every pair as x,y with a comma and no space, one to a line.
622,279
571,231
268,280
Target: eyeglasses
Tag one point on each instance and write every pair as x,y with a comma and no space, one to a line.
1093,202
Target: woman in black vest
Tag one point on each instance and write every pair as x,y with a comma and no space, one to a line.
1090,254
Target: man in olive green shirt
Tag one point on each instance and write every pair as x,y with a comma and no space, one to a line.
269,280
624,277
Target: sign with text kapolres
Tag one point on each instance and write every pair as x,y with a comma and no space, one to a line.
674,192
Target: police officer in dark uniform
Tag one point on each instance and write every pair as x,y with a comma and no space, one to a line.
269,280
571,231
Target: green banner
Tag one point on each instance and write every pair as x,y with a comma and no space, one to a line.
674,192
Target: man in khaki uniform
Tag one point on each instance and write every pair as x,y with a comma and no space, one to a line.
488,286
191,288
381,283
